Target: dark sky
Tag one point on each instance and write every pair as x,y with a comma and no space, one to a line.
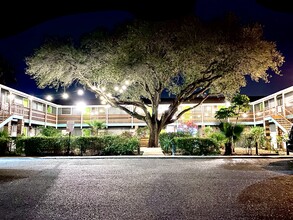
28,28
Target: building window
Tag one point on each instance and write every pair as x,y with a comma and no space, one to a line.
38,106
66,111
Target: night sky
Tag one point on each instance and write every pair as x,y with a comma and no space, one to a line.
21,40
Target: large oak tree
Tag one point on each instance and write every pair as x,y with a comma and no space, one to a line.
137,62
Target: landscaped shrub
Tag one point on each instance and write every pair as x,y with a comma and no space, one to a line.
197,146
91,145
121,146
167,140
41,146
102,145
4,145
20,145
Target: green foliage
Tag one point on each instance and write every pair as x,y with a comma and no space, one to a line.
4,134
231,131
3,145
86,132
96,126
258,136
197,146
20,145
239,104
167,140
94,145
42,146
153,57
219,138
49,132
4,142
102,145
121,146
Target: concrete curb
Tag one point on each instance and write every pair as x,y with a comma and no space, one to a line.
154,157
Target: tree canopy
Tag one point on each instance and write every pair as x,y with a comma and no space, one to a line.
137,62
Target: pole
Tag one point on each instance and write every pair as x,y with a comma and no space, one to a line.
68,147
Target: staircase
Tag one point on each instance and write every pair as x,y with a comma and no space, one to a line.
5,117
282,122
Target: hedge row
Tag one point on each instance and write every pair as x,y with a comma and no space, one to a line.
187,145
105,145
4,145
197,146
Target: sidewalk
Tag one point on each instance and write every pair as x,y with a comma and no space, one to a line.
151,151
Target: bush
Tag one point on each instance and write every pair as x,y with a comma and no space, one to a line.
41,146
197,146
121,146
103,145
50,132
167,140
91,145
4,145
20,145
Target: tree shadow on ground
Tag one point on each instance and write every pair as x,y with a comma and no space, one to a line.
271,198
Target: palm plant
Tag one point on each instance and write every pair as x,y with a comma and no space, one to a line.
96,126
232,131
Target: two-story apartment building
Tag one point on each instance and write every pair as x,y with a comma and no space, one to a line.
21,113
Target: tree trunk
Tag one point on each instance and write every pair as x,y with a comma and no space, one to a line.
228,148
154,135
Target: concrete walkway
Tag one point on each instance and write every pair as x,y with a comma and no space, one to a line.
151,151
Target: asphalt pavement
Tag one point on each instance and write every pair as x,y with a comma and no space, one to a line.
140,188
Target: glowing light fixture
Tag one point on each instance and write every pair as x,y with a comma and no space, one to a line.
49,97
80,105
65,95
80,92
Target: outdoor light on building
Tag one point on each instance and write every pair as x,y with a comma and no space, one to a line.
65,95
80,105
80,92
49,97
